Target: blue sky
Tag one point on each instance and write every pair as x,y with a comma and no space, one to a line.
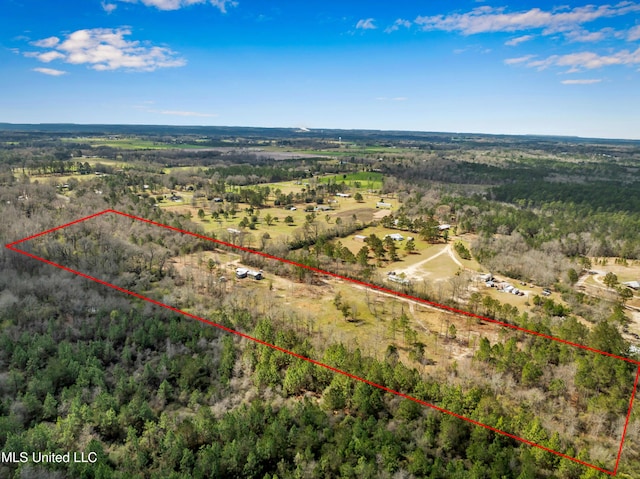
466,66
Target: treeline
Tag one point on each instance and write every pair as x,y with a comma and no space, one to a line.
598,195
440,168
570,229
248,173
516,167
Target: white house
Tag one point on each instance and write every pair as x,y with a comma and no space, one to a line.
395,237
255,274
398,279
485,277
244,272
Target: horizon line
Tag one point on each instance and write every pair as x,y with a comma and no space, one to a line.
301,129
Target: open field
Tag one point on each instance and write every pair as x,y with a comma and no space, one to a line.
362,180
63,179
130,143
625,272
344,148
373,323
103,161
343,209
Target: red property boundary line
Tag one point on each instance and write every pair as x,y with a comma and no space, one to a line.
12,247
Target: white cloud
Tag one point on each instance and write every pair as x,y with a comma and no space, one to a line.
566,22
170,4
582,35
487,19
46,42
472,48
50,71
397,24
107,49
584,60
178,4
45,57
109,7
366,24
581,82
515,61
518,40
222,4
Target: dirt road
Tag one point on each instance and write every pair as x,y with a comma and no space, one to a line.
412,271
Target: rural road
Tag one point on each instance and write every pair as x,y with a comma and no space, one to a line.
411,271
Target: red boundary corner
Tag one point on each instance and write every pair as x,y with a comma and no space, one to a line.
12,247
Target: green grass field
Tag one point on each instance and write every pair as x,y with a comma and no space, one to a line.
368,180
279,230
102,161
61,179
131,143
